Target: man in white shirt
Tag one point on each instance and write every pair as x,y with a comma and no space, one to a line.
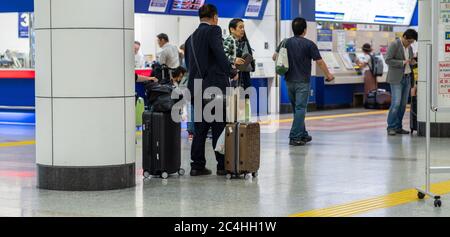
139,59
169,54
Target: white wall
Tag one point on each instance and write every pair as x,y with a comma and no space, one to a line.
148,26
9,36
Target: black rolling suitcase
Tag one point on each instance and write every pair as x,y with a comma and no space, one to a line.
413,114
161,142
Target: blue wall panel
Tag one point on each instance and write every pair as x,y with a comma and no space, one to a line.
415,17
308,10
17,92
291,9
260,104
16,5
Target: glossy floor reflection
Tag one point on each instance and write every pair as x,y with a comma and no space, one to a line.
350,159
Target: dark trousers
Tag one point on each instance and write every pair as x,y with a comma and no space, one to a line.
198,143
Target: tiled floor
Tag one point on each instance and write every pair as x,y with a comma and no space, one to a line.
350,158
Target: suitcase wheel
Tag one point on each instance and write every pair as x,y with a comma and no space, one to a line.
164,175
146,174
181,172
229,176
248,176
255,174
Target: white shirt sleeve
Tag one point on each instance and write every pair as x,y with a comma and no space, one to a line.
139,60
163,57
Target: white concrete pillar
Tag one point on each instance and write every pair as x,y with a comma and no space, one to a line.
85,119
440,121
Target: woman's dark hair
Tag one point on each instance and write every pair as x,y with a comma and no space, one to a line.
178,71
207,11
234,24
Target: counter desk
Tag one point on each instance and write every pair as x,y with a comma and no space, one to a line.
17,94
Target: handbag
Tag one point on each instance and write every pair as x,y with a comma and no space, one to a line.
282,63
247,66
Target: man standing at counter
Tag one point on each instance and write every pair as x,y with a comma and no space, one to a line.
301,52
169,54
139,58
400,59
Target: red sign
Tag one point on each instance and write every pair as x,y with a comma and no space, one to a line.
444,76
447,48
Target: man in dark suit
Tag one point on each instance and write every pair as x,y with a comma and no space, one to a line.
206,60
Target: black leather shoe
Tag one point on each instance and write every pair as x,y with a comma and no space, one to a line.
205,171
221,172
306,139
297,142
401,131
391,132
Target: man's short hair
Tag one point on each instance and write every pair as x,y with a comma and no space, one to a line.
137,42
299,26
163,36
207,11
367,48
411,34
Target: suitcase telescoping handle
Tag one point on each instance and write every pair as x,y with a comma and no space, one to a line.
236,146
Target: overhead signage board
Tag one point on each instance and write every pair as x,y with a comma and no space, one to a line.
159,6
187,5
385,12
254,8
24,24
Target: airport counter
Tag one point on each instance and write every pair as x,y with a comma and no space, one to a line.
17,95
330,95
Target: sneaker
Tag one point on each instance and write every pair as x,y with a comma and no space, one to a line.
306,139
392,132
221,172
401,131
201,172
295,142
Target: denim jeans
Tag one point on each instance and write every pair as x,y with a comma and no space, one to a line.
298,94
400,95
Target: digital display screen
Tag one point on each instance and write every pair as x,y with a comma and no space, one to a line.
187,5
385,12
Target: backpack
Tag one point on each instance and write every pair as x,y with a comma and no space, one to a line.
377,68
161,72
282,63
160,97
